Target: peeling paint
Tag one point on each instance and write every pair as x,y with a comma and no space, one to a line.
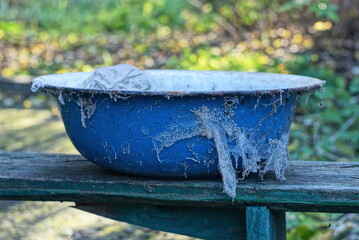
114,151
214,124
61,99
126,149
185,167
87,109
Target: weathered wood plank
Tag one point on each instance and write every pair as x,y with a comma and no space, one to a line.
311,186
265,224
206,223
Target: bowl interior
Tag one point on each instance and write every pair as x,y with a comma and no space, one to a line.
181,80
197,81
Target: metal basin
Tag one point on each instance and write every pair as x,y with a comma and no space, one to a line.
183,127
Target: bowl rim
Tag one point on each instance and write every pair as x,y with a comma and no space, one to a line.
315,84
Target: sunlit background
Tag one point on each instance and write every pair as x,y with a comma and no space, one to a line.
317,38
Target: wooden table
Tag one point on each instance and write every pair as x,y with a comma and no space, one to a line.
196,208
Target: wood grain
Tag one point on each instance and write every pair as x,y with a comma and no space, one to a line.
310,186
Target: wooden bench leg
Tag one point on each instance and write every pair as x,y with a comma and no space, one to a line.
265,224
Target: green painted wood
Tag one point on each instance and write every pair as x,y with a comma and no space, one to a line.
265,224
310,186
206,223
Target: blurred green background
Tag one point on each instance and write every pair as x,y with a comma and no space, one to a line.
317,38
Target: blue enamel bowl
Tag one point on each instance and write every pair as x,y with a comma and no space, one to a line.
176,130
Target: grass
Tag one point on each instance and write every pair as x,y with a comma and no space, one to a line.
30,130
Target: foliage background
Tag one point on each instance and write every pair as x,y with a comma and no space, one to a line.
317,38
